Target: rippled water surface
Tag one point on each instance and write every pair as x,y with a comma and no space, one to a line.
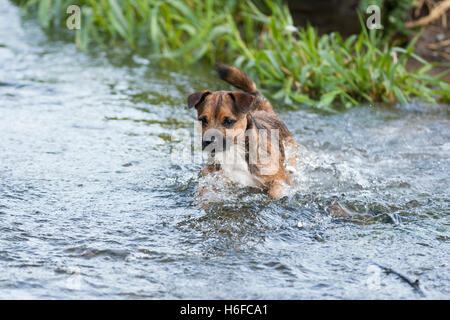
92,205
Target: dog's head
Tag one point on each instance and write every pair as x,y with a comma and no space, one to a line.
223,116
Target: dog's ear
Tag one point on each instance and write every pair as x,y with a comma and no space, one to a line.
196,98
242,101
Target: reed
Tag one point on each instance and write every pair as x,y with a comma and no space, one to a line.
297,67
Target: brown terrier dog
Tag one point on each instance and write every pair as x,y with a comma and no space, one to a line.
243,136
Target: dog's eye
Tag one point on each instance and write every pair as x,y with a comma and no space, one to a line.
227,122
203,121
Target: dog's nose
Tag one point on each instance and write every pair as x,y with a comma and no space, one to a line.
206,143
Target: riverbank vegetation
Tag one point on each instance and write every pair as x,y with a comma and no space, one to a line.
298,67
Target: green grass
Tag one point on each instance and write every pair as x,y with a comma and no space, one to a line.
297,67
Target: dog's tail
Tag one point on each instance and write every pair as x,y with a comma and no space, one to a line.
240,80
237,78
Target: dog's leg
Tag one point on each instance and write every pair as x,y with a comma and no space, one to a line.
276,189
208,169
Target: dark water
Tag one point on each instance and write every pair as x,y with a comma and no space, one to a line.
92,205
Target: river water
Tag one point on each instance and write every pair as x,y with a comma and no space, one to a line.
93,205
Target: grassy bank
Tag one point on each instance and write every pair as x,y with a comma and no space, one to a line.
297,67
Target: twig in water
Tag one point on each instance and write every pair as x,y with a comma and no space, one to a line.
414,284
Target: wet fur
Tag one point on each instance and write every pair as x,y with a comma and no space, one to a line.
253,112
